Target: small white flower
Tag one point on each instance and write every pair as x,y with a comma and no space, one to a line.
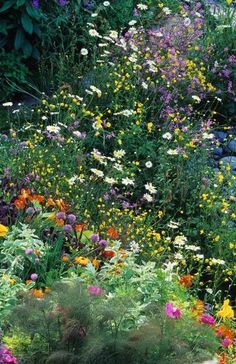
72,180
93,15
135,247
150,188
166,10
84,51
208,136
178,256
110,180
97,172
127,181
144,85
53,129
119,153
209,290
148,197
7,104
172,152
196,98
148,164
106,3
173,225
180,240
15,111
118,167
113,34
187,21
132,22
96,90
167,136
142,7
125,112
44,117
94,33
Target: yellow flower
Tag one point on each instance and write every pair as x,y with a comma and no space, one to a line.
229,2
3,230
226,310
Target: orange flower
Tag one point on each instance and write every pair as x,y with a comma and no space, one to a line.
20,203
37,198
25,193
198,308
47,290
82,261
225,332
50,202
223,359
95,263
108,254
112,233
65,258
59,222
186,281
37,252
62,206
124,253
37,293
80,227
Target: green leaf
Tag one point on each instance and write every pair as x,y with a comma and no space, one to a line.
3,27
6,5
27,23
20,3
27,48
19,39
33,12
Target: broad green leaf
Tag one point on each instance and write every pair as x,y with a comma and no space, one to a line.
7,5
27,23
19,39
27,48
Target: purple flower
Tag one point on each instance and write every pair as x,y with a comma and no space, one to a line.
103,243
172,311
34,277
95,238
61,215
28,251
71,218
6,356
95,291
208,319
63,2
35,4
68,228
30,211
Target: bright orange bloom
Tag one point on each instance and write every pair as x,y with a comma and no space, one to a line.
108,254
65,258
62,205
223,359
50,202
59,222
82,261
38,293
37,198
225,332
37,252
198,308
95,263
112,233
186,281
80,227
20,203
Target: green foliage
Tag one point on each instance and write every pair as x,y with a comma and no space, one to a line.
75,327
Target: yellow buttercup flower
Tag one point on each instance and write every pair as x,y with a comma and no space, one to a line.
226,311
3,230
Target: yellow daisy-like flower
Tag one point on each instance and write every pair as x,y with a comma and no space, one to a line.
226,311
82,261
3,230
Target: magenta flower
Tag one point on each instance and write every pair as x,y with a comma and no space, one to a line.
172,311
208,319
6,356
95,291
95,238
226,342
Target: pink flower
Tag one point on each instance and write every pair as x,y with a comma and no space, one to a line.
226,342
208,319
95,290
172,311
